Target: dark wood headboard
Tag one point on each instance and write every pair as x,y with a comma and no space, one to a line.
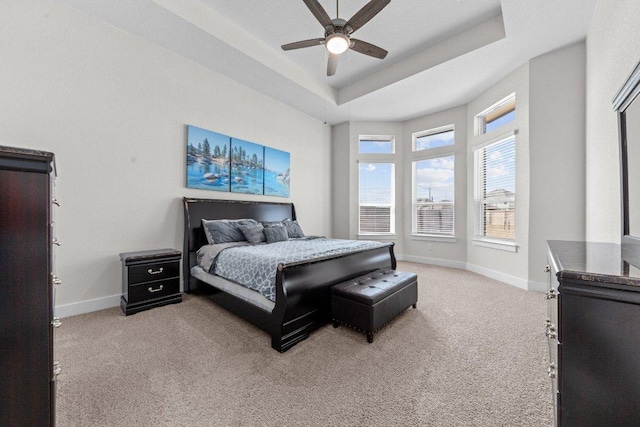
195,210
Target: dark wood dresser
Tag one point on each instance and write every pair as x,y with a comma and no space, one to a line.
150,279
593,330
27,236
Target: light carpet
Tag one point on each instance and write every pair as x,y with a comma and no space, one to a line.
472,354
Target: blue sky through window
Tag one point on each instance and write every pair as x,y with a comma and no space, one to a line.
434,179
440,139
368,146
376,183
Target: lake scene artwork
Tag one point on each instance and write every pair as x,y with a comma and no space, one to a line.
208,159
247,167
277,172
220,162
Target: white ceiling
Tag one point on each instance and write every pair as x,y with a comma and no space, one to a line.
442,53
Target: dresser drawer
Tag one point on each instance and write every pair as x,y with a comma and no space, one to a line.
153,271
151,290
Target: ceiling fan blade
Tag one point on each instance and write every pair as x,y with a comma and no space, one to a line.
365,14
332,64
303,43
368,49
319,12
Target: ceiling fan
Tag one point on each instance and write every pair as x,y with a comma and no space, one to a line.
337,33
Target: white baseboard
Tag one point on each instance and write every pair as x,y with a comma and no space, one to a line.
82,307
432,261
506,278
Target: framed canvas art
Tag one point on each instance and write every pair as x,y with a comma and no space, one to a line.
208,159
277,172
247,167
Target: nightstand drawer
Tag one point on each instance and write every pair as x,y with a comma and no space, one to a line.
153,271
151,290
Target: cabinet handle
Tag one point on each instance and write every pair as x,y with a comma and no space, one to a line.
551,333
150,289
56,280
547,269
551,294
56,369
56,322
150,271
56,242
56,202
551,370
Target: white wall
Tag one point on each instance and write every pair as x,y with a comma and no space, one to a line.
113,108
557,153
613,50
510,267
435,251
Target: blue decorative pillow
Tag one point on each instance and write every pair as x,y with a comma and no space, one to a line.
225,230
276,233
253,233
293,228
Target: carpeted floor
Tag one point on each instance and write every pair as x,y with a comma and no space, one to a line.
472,354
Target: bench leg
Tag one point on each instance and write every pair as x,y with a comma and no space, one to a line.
369,337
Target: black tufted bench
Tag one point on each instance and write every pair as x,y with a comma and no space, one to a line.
370,301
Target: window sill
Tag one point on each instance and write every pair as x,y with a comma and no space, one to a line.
496,244
390,236
433,238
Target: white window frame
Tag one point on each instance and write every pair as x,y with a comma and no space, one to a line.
480,238
494,112
390,138
427,154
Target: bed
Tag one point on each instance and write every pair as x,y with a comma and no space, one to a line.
302,301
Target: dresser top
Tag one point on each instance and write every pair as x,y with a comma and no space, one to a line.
593,262
149,255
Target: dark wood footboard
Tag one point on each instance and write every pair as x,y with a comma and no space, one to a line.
303,296
302,288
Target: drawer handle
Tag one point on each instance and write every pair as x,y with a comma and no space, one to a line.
150,271
56,322
56,369
547,269
150,289
551,370
551,294
56,242
56,202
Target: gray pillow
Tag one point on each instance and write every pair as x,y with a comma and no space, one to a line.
253,233
276,233
293,228
225,230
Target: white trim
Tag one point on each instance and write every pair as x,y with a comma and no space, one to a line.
434,238
82,307
502,277
496,244
390,236
484,142
460,265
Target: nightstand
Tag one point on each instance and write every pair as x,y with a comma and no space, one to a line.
150,279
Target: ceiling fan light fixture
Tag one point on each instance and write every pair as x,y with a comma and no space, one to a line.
337,43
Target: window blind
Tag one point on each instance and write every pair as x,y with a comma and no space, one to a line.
495,194
433,190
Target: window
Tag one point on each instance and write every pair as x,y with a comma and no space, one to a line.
433,138
376,145
497,115
433,191
433,182
377,198
495,190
